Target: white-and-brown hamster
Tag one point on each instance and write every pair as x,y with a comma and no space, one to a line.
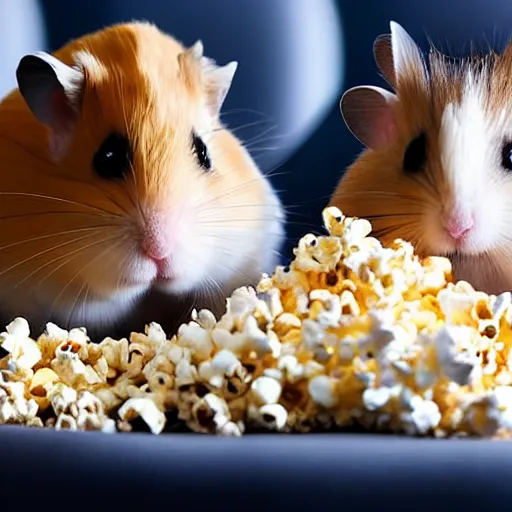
437,167
123,198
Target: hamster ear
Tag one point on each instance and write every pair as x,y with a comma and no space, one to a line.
397,54
218,83
407,57
215,80
369,113
51,89
383,55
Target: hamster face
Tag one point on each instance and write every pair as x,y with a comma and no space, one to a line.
163,196
437,170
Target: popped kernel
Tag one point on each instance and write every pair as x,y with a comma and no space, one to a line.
147,410
351,332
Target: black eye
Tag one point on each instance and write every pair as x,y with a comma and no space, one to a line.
201,152
113,158
416,154
506,156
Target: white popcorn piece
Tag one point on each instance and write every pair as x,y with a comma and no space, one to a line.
312,368
331,315
61,397
273,415
424,417
313,336
333,220
24,353
66,422
14,407
242,302
229,429
185,373
234,342
147,410
223,364
211,414
274,303
500,304
226,362
322,391
374,399
286,321
205,318
348,304
197,339
456,353
454,304
356,230
116,353
19,328
155,333
273,373
291,368
78,335
503,404
259,340
266,390
53,331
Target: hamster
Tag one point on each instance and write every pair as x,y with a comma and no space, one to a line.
123,197
436,169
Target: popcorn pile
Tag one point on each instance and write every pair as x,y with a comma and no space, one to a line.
352,333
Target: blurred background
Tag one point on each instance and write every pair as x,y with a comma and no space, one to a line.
296,57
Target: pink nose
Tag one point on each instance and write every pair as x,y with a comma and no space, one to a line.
155,249
157,241
459,225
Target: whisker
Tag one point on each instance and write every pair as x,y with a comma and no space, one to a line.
235,189
38,214
59,258
45,252
248,125
58,199
51,235
243,110
91,262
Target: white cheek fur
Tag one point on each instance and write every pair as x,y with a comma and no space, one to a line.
226,256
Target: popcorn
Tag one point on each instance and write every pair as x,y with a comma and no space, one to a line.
266,390
351,332
147,410
24,353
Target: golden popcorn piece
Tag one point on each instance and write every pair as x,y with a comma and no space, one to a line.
38,386
350,333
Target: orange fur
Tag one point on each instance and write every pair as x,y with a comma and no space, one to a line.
66,234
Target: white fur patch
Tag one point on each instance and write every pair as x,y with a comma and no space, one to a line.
92,65
464,142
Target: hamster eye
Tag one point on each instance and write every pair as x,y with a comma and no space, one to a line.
113,158
201,152
416,154
506,156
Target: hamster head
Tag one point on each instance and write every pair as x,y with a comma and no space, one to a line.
127,181
437,167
